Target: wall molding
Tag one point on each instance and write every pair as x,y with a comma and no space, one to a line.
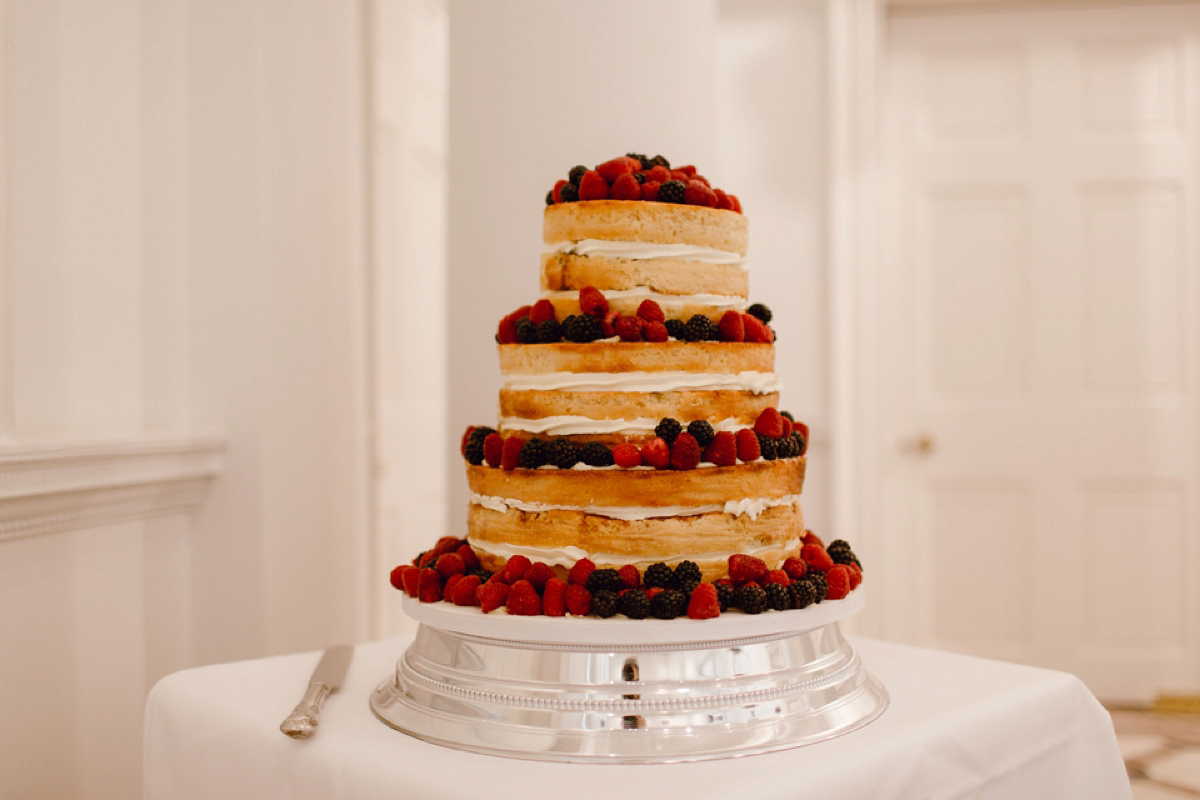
51,488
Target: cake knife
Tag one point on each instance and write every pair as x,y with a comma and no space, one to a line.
326,679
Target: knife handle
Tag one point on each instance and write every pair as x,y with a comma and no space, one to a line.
303,720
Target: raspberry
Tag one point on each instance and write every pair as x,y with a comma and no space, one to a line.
757,331
737,204
815,556
542,310
592,186
592,302
412,581
672,191
656,453
510,456
450,564
611,170
650,311
855,575
698,193
722,451
760,312
627,456
606,324
629,328
667,429
580,571
397,576
493,448
578,599
515,569
466,437
539,573
685,452
507,332
703,603
744,569
604,603
634,604
812,538
554,598
523,600
655,332
491,596
650,190
688,170
731,327
429,586
747,445
787,424
723,200
769,423
470,560
625,187
658,174
838,580
794,567
778,576
446,544
463,593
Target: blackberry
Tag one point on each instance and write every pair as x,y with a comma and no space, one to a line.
837,544
606,578
750,598
575,176
657,161
778,597
701,329
581,328
640,157
533,454
766,446
757,310
803,594
687,587
474,448
801,444
550,197
667,430
787,414
671,192
787,447
604,603
659,575
702,430
634,604
549,331
724,596
596,454
568,193
640,177
839,550
820,587
675,328
669,604
686,573
526,331
562,453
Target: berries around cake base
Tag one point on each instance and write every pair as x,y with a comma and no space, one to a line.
449,572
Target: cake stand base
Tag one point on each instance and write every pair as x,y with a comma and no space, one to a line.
619,701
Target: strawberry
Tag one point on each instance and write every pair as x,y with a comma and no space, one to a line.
698,193
538,574
722,450
787,426
838,579
855,575
493,449
627,455
554,598
650,190
778,576
542,310
507,332
816,557
737,204
554,193
731,327
769,424
756,331
723,201
651,311
795,568
812,538
685,452
592,186
630,577
658,174
611,170
747,445
656,453
470,560
625,187
629,328
429,586
744,569
412,581
515,569
703,602
592,302
580,571
510,456
802,429
450,564
523,600
578,599
655,332
463,592
397,576
491,596
607,322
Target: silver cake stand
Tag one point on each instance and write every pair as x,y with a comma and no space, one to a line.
629,691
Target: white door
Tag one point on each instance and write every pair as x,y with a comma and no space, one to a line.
1041,352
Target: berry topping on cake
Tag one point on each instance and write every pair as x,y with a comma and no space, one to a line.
541,311
606,578
650,191
615,168
660,575
554,598
731,328
463,593
581,328
397,576
626,187
515,569
667,429
747,445
510,456
702,430
429,586
750,598
592,302
769,424
756,331
675,328
562,453
549,332
627,456
794,567
538,573
450,564
593,186
569,193
744,569
630,577
699,193
533,454
669,604
629,328
473,444
523,600
672,191
493,447
650,311
491,596
580,571
778,597
701,329
803,594
578,599
655,332
816,557
596,454
704,604
686,573
760,312
656,453
685,452
766,445
722,450
634,604
604,603
576,174
837,580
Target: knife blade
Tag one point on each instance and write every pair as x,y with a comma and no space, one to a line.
326,679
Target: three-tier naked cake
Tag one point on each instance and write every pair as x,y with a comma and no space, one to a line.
640,472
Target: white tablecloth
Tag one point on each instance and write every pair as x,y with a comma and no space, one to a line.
957,727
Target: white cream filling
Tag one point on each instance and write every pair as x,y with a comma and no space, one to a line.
567,556
571,425
750,507
719,302
667,381
647,251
